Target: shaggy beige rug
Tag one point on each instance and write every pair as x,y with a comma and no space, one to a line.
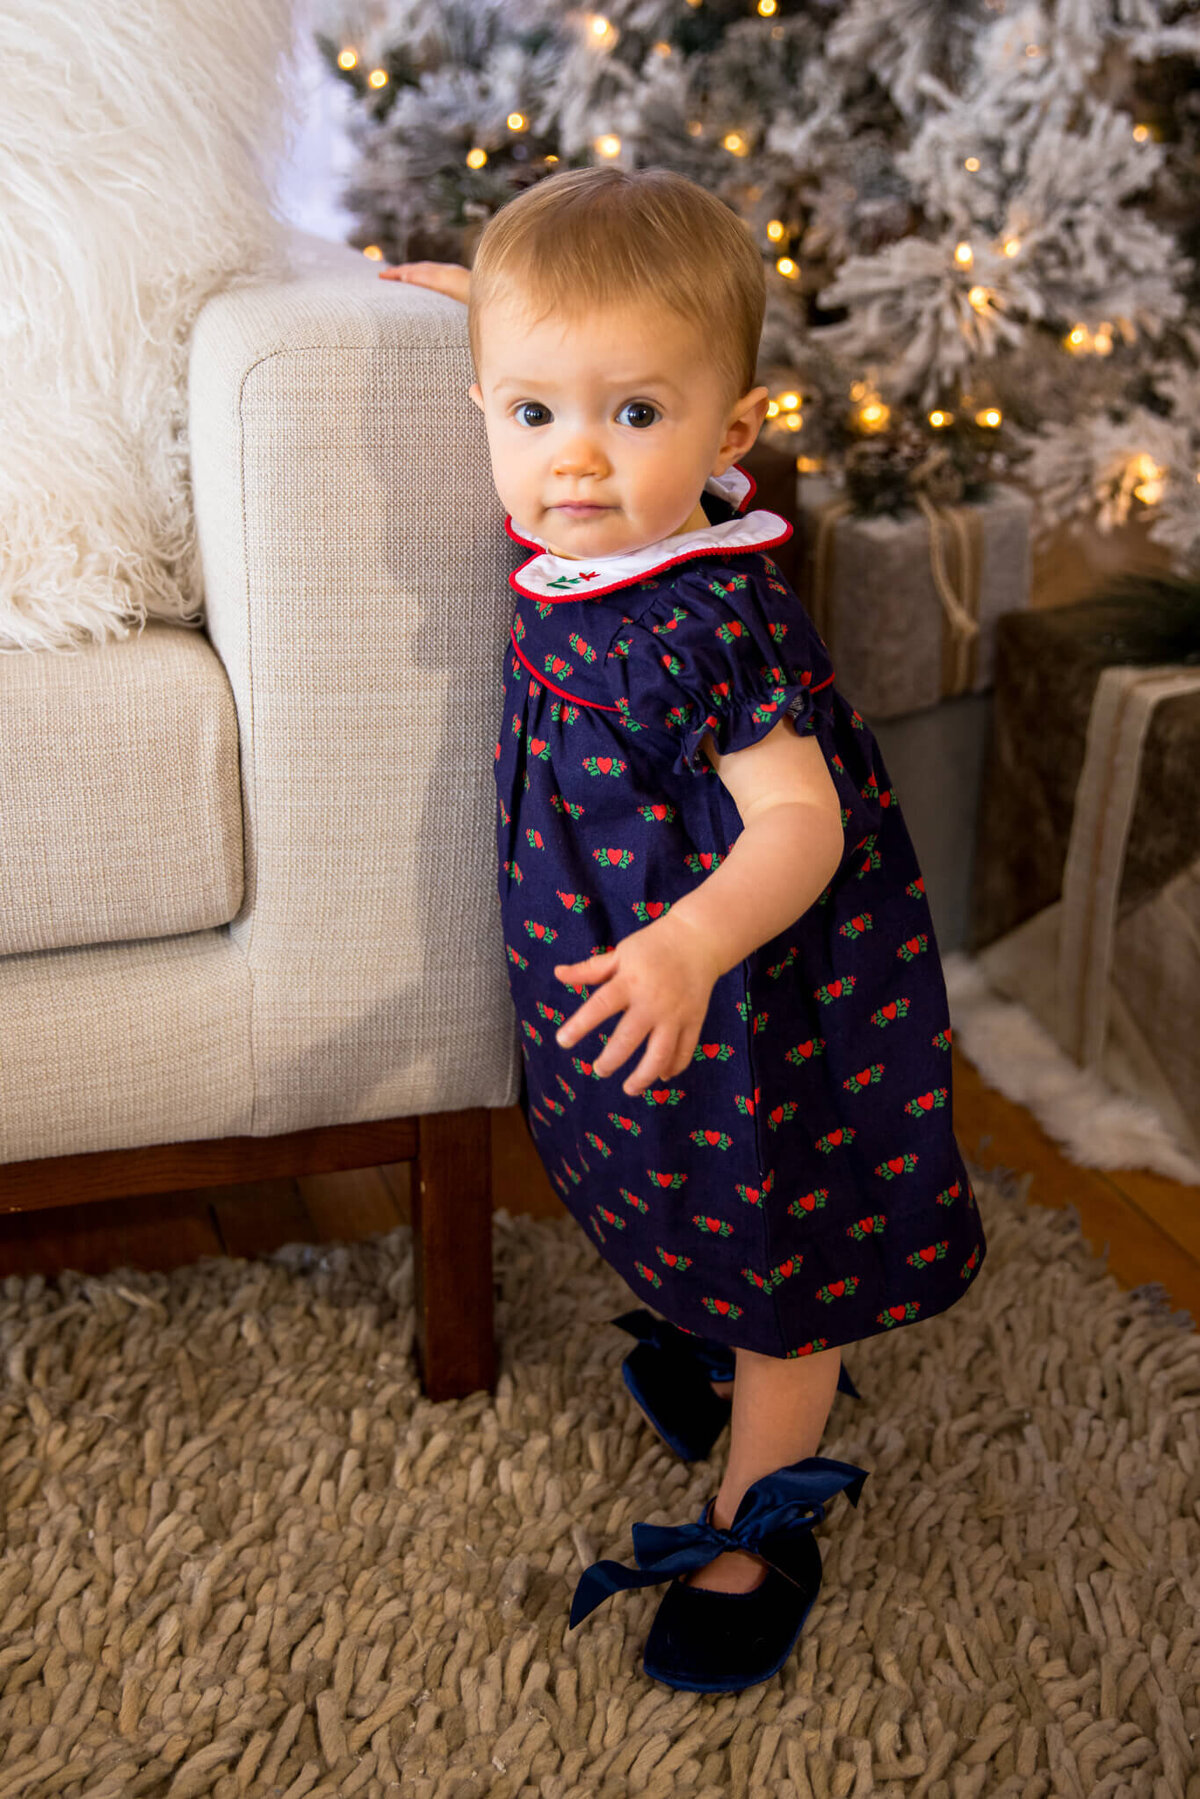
242,1555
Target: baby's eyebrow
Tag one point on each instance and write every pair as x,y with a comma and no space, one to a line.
626,386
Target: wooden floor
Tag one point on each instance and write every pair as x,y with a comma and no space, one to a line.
1152,1225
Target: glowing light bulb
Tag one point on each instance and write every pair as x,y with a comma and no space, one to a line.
374,252
972,164
1150,484
773,412
694,128
476,157
812,465
662,47
873,415
938,418
1011,246
609,144
347,59
990,415
978,296
1102,342
768,8
964,256
735,143
552,159
516,121
378,78
789,402
858,390
1033,49
601,31
1141,133
793,420
787,267
775,230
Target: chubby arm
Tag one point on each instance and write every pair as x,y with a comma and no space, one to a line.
789,847
662,976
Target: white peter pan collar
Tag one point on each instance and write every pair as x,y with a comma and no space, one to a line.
550,577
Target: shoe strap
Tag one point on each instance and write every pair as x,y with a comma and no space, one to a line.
713,1358
791,1499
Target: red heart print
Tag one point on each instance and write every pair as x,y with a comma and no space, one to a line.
585,1067
664,1180
868,1225
806,1049
837,1288
604,763
659,811
706,860
776,1116
925,1100
557,664
785,1268
858,921
895,1163
537,745
896,1311
808,1201
953,1191
805,676
836,1136
722,1306
927,1255
712,1136
613,855
569,899
863,1077
890,1011
669,1260
753,1194
912,943
714,1224
654,907
711,1049
539,930
721,687
835,987
660,1095
885,798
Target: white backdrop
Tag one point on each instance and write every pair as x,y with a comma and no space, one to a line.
322,156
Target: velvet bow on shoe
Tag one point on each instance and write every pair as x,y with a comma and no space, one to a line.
712,1642
668,1373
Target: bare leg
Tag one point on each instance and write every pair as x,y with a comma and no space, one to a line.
780,1407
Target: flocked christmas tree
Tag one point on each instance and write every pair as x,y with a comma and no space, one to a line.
980,217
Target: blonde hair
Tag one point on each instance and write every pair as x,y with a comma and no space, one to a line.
605,237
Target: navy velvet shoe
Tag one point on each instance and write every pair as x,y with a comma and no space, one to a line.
669,1372
710,1642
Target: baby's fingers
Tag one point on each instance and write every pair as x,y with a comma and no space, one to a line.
659,1057
584,974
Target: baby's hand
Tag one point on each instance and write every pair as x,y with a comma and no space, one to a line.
661,977
444,277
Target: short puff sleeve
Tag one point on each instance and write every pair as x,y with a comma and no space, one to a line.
726,648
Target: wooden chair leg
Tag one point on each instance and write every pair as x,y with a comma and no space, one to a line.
452,1253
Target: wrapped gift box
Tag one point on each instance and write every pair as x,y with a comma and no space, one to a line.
1086,902
907,605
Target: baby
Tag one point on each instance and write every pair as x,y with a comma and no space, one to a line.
698,836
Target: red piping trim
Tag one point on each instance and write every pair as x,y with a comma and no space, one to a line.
614,586
577,700
560,691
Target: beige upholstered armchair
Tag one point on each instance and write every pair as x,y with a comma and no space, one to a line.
250,923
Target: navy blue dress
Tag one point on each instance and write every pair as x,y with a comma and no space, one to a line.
798,1185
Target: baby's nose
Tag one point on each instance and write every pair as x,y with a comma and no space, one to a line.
580,455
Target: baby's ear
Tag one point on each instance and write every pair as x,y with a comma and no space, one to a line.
475,392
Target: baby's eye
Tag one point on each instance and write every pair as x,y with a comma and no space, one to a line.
642,408
532,406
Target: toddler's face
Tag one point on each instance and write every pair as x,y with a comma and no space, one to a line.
624,412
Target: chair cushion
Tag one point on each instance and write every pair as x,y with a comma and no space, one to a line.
120,792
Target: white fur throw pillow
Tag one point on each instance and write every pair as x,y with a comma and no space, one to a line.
139,141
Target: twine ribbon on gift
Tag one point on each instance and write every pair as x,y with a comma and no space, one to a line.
955,555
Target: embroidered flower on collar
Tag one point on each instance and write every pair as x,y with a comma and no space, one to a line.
546,576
